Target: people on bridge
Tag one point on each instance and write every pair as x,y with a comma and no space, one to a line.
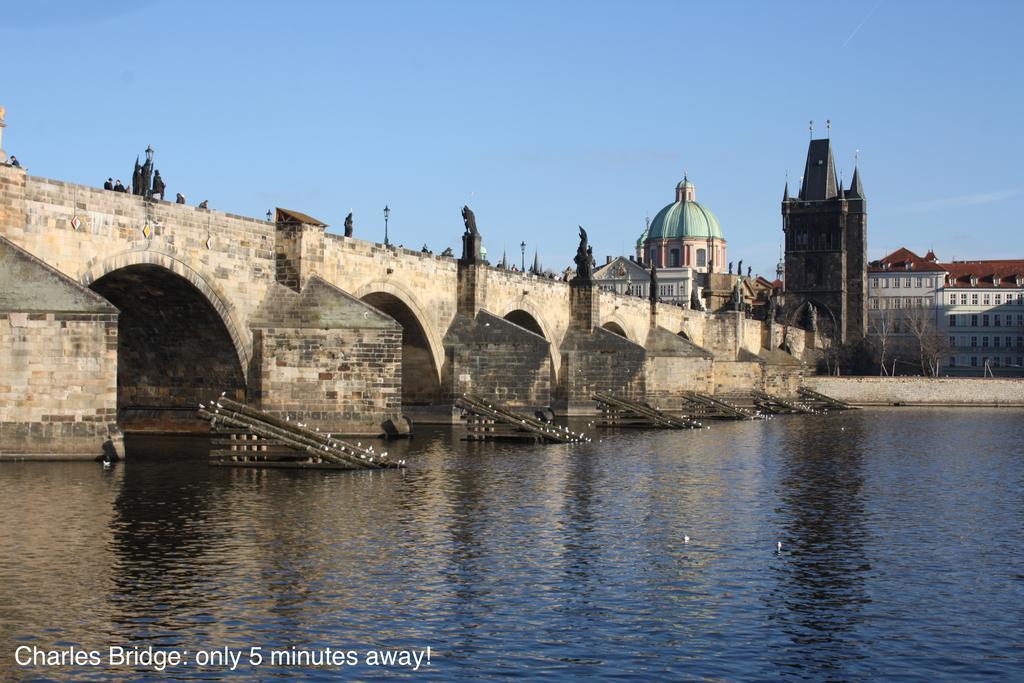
179,199
205,204
118,187
109,185
14,162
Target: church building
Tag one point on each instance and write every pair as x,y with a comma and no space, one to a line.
684,241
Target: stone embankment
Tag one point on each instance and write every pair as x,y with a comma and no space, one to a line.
922,391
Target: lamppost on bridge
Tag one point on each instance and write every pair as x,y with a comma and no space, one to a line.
387,212
522,248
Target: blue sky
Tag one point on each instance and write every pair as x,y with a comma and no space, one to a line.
539,115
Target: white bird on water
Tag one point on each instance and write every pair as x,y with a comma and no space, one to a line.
686,539
778,546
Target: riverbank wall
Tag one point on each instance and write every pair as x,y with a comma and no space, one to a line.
922,391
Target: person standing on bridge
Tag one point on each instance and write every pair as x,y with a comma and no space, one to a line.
118,187
109,185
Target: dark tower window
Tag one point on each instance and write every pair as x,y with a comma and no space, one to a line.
702,258
673,258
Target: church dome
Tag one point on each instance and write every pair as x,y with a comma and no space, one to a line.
684,218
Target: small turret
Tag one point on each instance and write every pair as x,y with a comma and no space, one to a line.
856,189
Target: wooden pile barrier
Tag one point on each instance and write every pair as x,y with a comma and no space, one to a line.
776,405
820,400
486,421
257,439
621,412
705,406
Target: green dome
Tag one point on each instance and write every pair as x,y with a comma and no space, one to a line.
684,219
642,238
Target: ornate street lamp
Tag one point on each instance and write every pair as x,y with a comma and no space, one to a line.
387,212
149,154
522,248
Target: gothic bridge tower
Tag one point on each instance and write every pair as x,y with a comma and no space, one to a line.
826,231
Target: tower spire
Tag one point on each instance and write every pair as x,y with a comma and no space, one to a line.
856,189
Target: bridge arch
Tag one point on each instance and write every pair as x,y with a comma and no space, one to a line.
529,318
175,348
98,268
617,325
422,347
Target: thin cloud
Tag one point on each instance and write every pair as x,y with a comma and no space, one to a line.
958,202
864,21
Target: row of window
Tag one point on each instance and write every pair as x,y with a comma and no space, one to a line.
675,260
896,302
997,342
885,282
994,361
987,298
987,319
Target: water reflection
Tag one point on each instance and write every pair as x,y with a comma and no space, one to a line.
820,593
902,535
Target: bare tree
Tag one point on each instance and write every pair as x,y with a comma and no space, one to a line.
881,328
928,342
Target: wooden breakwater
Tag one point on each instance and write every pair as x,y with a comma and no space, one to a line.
621,412
252,438
486,421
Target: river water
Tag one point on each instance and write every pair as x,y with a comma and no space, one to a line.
902,556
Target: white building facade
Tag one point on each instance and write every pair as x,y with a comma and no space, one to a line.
976,307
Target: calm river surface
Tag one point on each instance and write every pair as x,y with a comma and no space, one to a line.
902,557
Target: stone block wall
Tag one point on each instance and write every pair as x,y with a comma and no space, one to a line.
326,358
921,391
341,380
782,380
737,376
58,383
598,361
666,377
58,361
495,359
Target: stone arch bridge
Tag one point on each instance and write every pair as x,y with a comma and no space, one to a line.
343,331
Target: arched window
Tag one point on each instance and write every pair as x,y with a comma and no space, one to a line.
702,258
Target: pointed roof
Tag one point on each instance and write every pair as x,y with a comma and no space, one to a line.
856,189
903,260
290,216
819,172
621,267
785,193
536,264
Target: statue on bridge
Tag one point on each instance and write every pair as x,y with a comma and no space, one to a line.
584,259
348,224
471,240
653,293
739,268
730,267
142,176
737,295
158,186
469,218
695,303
